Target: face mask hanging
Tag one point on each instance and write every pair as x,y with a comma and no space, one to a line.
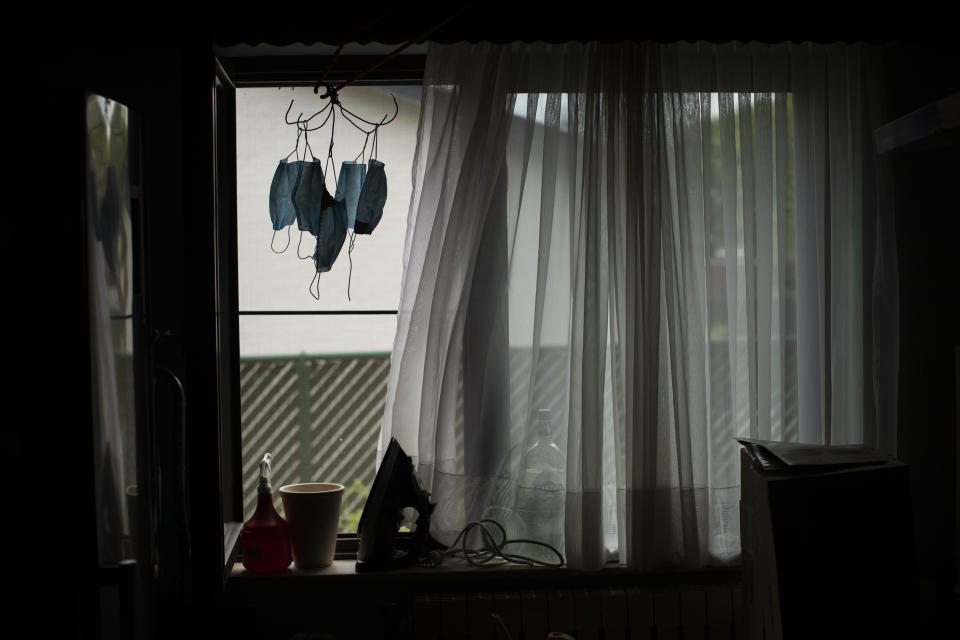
299,191
373,194
310,197
331,234
332,229
349,184
282,213
283,189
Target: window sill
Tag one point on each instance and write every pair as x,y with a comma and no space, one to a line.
455,575
231,543
458,575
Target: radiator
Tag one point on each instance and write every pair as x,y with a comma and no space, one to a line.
696,612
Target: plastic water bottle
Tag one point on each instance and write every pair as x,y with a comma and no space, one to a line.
541,492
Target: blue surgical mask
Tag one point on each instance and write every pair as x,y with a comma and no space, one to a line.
310,197
349,184
282,212
373,195
283,189
331,233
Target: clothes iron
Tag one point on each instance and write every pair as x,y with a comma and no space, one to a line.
394,488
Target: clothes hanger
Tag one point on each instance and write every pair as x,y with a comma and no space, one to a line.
329,114
332,92
348,115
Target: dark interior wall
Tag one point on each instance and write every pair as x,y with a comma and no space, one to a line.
47,353
48,436
167,85
928,224
927,232
48,424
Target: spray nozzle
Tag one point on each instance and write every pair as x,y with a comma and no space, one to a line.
264,486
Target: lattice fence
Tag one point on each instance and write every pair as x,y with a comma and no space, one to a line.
320,419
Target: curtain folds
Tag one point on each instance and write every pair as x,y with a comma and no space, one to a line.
653,249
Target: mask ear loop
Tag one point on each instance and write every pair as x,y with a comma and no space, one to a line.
362,157
350,260
300,242
316,278
296,146
374,148
331,166
352,233
330,161
287,246
306,145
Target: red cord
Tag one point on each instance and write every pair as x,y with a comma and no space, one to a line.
329,66
389,56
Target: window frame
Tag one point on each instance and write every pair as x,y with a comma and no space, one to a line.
244,71
232,72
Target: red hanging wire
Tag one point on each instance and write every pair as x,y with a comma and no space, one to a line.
387,58
329,66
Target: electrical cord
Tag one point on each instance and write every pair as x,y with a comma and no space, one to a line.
491,550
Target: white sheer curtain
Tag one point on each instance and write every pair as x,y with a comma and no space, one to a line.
662,245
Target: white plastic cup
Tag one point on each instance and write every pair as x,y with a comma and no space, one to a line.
313,511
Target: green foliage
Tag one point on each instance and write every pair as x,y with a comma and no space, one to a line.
349,521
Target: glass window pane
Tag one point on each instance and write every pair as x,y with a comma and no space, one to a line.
313,386
316,334
317,407
110,249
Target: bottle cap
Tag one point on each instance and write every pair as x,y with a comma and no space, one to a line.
544,428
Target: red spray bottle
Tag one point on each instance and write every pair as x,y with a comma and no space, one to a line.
265,538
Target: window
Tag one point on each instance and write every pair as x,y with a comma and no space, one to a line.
704,231
315,354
